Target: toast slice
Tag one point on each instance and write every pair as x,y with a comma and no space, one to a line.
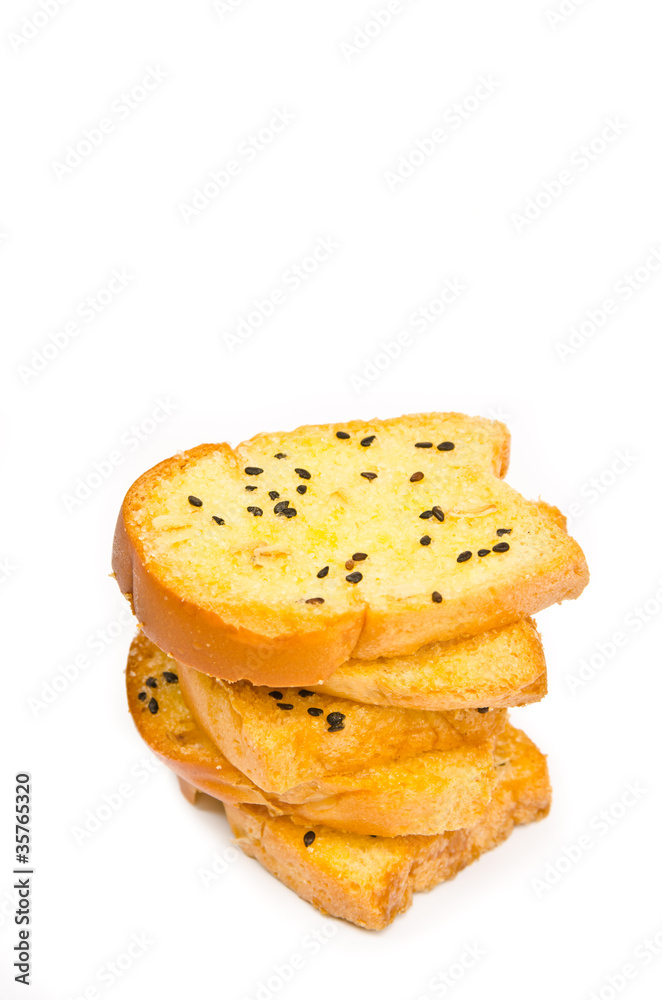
424,794
369,881
286,737
499,668
241,563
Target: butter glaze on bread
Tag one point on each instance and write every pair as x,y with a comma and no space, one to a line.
241,599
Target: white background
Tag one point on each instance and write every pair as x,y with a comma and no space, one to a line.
494,352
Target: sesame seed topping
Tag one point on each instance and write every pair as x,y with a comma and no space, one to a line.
253,470
273,495
195,502
336,729
153,705
315,712
367,441
281,454
170,677
369,475
423,444
416,478
219,520
250,488
151,682
142,696
284,706
301,489
354,577
501,547
445,446
425,540
349,564
276,694
323,572
343,435
309,837
438,513
436,597
483,552
482,710
503,531
255,511
335,718
426,514
303,473
315,600
359,556
463,556
280,507
304,693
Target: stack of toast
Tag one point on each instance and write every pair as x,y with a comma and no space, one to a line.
333,624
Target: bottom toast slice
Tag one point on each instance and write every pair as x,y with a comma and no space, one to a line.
369,880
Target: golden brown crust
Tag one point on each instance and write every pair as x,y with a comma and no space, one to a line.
423,794
369,881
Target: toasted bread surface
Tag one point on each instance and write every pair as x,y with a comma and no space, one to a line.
228,582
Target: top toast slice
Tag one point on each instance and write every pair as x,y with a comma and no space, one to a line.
280,560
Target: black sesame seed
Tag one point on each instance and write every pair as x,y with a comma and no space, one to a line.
438,513
436,597
463,556
501,547
284,706
290,512
280,454
335,718
445,446
315,600
369,475
142,696
253,470
423,444
309,837
303,473
323,572
170,677
303,693
425,540
483,552
426,514
343,435
315,711
280,507
219,520
276,694
359,556
354,577
503,531
195,502
273,495
366,442
255,511
151,682
482,710
336,729
250,488
416,478
153,705
301,489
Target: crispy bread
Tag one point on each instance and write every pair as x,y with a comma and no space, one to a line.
224,579
425,794
369,881
284,737
499,668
